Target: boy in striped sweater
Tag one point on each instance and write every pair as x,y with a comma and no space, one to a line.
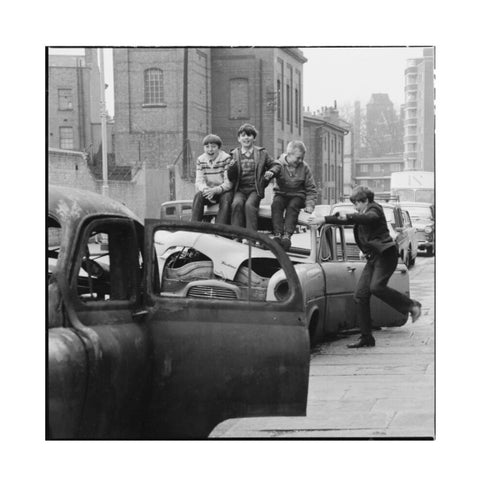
212,182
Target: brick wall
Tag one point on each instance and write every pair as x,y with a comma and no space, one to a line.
144,194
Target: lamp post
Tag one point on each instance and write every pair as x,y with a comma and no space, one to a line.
103,120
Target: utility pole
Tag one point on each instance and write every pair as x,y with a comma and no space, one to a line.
185,111
103,119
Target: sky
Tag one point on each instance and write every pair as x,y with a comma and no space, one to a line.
350,74
344,74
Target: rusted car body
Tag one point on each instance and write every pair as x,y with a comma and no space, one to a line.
215,267
126,360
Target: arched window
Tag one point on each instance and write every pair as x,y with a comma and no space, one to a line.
153,86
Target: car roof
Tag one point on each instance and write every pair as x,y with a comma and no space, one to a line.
67,203
416,204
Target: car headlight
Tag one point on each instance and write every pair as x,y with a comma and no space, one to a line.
281,290
428,229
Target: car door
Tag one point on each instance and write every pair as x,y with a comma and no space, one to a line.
382,314
339,275
104,342
215,355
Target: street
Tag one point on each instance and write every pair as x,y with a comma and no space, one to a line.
384,391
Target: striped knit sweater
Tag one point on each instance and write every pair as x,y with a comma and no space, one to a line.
213,173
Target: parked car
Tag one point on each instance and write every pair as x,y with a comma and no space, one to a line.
126,359
210,266
400,228
423,220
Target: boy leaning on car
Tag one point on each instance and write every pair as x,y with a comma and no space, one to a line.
373,238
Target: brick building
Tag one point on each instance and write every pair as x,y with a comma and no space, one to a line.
419,113
168,99
74,103
324,134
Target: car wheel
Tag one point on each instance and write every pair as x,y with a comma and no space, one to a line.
429,252
409,262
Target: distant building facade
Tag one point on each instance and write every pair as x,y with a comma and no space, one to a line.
324,137
374,172
384,129
168,99
419,113
74,103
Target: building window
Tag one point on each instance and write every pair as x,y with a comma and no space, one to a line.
65,99
279,100
239,99
296,107
288,104
66,137
363,168
153,87
377,168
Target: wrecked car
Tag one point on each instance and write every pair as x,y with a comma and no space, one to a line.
211,266
143,346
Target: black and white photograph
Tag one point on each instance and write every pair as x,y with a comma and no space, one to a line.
240,250
235,252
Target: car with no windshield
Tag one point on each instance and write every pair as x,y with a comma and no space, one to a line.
133,354
212,266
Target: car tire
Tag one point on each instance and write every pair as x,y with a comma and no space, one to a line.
430,251
410,261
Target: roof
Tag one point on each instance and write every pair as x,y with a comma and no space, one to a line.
70,204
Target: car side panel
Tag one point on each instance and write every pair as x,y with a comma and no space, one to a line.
340,285
119,377
67,382
384,315
213,363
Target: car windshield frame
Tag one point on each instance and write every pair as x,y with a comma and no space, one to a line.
414,215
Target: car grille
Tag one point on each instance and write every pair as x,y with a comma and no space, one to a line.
214,292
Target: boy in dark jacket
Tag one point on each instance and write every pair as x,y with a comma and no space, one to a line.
294,189
372,237
250,171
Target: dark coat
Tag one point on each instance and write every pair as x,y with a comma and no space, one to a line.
369,228
263,162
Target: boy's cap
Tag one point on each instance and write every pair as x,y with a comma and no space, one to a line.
215,139
248,129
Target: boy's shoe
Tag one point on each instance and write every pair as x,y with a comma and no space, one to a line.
285,242
416,310
277,238
365,341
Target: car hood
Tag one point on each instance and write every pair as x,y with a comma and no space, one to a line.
226,254
421,223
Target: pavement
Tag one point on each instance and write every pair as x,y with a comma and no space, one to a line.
382,392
